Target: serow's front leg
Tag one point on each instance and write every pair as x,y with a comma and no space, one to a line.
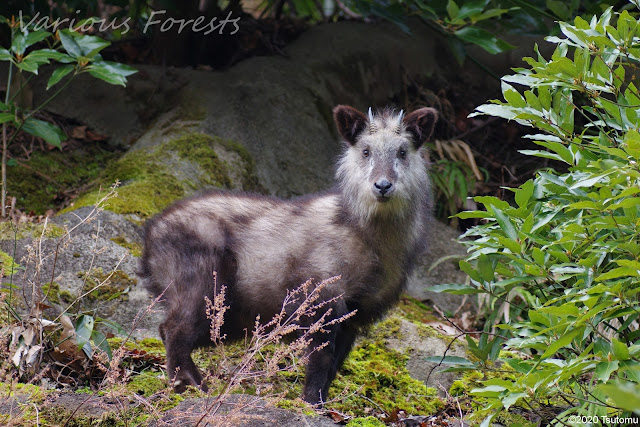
324,363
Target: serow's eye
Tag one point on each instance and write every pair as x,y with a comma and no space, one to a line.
402,154
365,152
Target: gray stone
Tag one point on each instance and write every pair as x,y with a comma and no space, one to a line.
237,410
88,247
419,346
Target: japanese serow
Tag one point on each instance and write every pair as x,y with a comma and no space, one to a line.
368,230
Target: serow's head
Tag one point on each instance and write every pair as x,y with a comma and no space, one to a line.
382,157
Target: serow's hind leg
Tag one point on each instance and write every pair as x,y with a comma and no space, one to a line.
180,339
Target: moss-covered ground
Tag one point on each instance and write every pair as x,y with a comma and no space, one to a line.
374,383
47,178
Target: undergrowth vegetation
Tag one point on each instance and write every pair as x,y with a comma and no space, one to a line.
558,271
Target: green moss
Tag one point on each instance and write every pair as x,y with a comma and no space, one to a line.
135,249
147,186
415,311
387,328
8,264
297,405
53,293
40,183
426,331
149,345
36,394
365,422
198,148
464,385
9,231
147,383
28,398
112,285
375,373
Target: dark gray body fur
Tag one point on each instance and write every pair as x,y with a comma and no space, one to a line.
369,230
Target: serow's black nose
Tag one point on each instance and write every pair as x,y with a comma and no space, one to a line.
383,186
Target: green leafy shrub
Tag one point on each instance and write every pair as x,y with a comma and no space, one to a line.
560,269
78,54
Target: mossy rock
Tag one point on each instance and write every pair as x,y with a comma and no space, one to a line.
153,177
135,249
55,295
106,286
8,264
12,232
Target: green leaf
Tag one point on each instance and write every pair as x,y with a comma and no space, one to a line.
115,68
5,55
485,268
512,398
100,340
524,193
632,143
473,214
449,360
489,391
625,395
19,44
618,272
505,223
70,44
504,111
107,76
604,369
568,309
562,67
484,39
471,8
512,96
491,201
59,74
6,117
620,350
561,342
559,8
35,37
452,9
467,268
626,203
29,66
84,330
45,130
44,55
91,45
455,289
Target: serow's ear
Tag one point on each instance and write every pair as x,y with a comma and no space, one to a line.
350,122
420,124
